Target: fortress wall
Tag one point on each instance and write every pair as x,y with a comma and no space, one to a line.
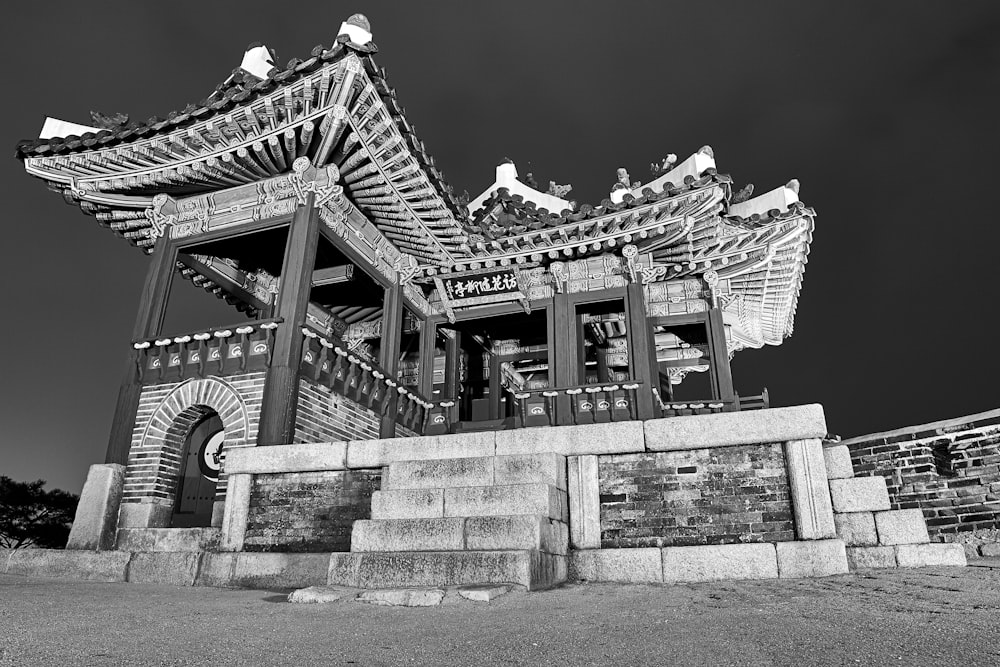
950,470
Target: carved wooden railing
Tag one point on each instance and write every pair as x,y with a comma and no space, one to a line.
709,406
327,360
759,402
588,404
230,350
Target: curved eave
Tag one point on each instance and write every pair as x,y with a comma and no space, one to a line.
767,281
255,134
648,221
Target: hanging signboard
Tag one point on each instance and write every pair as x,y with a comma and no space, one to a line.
481,289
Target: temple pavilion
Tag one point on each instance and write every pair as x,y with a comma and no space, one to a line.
370,301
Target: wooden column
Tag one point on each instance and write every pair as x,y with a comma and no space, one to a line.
148,321
722,373
641,349
281,389
453,374
392,331
563,342
428,347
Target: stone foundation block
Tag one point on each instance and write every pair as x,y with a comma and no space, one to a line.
438,534
320,595
439,474
618,565
378,453
216,569
801,422
857,529
815,558
611,438
543,499
870,558
287,458
859,494
531,569
483,593
928,555
279,570
144,515
901,527
403,597
106,566
176,569
96,517
989,550
838,462
490,533
408,504
719,562
168,539
545,468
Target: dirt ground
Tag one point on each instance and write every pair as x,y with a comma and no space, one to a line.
929,616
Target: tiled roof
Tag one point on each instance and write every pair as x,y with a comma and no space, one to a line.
225,99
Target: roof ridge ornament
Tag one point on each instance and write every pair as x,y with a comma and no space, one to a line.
357,28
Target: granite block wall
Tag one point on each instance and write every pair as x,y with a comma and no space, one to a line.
724,495
308,511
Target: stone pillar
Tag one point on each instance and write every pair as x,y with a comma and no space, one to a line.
237,511
810,490
584,502
95,524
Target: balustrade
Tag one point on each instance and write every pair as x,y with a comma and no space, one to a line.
328,361
220,351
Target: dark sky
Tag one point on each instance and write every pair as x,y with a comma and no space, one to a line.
886,112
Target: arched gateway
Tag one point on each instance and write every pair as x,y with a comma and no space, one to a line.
176,459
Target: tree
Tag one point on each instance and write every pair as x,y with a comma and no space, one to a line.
30,516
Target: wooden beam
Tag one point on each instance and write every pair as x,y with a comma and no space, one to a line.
642,350
148,322
392,333
281,388
333,275
225,282
355,257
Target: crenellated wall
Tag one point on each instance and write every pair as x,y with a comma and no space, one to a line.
950,470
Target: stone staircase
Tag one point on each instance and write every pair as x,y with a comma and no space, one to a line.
462,521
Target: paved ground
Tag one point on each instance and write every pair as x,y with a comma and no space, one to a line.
932,616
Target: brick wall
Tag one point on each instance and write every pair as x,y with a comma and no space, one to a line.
724,495
325,416
950,470
308,511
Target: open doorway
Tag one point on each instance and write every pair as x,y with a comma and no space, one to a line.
200,468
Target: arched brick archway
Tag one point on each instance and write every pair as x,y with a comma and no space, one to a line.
154,463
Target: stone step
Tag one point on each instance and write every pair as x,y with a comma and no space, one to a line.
544,499
528,568
544,468
169,539
485,533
